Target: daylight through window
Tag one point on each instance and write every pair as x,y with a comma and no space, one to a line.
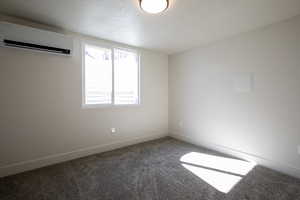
111,76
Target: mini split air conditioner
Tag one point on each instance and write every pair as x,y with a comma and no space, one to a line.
17,36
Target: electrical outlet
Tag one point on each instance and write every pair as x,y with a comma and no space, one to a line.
113,130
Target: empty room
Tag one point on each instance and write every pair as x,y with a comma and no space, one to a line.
149,100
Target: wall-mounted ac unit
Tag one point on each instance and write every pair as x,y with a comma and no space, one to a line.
18,36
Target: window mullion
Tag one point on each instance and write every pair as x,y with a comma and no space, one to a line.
113,76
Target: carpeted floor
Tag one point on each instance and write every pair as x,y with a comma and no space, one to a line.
147,171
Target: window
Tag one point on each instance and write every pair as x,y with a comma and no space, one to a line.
111,76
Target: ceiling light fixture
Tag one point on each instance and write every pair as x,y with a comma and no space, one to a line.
154,6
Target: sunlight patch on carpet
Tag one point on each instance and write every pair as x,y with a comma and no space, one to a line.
220,172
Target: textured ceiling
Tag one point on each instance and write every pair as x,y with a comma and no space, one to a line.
187,24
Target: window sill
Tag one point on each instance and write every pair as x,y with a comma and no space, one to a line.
95,106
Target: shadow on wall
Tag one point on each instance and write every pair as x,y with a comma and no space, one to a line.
220,172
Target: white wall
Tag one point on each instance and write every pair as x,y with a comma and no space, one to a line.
263,123
41,117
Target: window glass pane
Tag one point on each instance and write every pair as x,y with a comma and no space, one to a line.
98,75
126,77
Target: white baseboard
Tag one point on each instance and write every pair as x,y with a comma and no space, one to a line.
275,165
62,157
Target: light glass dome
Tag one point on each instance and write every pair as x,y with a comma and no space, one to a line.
154,6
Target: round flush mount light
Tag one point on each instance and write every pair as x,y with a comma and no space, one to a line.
154,6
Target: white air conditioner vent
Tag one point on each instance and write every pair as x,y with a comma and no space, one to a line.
18,36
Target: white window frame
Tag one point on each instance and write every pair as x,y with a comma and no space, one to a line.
111,47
